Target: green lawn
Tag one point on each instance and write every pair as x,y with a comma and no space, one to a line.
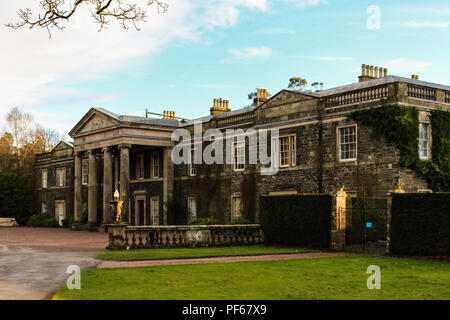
326,278
180,253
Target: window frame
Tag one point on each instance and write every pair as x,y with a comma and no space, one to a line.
140,166
291,150
61,180
428,157
154,200
192,167
44,173
233,214
339,144
44,205
192,215
155,164
236,165
84,174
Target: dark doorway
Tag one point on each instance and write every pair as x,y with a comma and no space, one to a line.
141,212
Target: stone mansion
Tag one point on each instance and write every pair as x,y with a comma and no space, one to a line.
319,150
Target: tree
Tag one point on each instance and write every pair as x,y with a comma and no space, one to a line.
56,13
14,197
45,139
23,139
7,153
298,83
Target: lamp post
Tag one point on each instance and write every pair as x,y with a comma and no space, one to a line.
117,205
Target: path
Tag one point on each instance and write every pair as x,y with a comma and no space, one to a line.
150,263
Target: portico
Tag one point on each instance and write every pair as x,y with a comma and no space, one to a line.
127,154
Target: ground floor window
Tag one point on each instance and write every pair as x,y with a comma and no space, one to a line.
424,141
154,211
236,210
192,207
60,211
44,208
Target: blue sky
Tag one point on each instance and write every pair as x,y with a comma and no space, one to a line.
201,50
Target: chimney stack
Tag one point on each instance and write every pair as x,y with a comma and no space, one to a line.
415,77
169,115
261,97
371,72
220,106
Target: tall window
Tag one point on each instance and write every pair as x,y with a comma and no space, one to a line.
424,141
60,211
239,156
44,179
154,211
347,143
60,177
140,166
44,207
236,210
286,151
155,167
192,207
84,174
192,165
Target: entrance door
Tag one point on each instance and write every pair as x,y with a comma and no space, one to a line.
141,212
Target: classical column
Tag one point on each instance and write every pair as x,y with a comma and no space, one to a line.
116,172
167,180
92,192
77,198
107,185
125,180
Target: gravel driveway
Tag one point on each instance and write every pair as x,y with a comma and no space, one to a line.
33,261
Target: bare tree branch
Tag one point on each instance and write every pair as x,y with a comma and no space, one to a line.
56,12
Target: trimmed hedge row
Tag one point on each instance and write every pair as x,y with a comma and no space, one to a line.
420,224
297,220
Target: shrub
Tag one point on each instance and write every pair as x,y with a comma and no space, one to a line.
297,220
67,222
204,221
42,221
420,224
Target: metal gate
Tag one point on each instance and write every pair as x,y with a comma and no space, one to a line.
366,225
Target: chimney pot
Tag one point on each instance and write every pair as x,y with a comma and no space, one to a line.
363,67
376,72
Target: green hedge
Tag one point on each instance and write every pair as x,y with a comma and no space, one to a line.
421,224
42,221
297,220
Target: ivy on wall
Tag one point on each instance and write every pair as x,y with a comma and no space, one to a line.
400,125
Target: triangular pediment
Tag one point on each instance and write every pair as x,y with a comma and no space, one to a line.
62,145
286,97
94,120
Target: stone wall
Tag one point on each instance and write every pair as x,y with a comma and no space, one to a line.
127,237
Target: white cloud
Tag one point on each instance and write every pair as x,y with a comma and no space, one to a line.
246,54
320,58
306,3
406,66
425,24
38,71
